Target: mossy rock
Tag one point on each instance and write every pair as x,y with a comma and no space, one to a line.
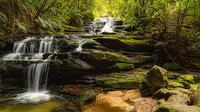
85,97
101,59
173,75
165,93
92,44
122,66
186,80
156,79
174,83
120,81
127,44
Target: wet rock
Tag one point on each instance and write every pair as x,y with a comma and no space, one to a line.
156,79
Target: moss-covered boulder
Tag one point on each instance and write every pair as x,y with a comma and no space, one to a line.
92,44
156,79
176,107
101,59
186,80
126,44
174,83
120,81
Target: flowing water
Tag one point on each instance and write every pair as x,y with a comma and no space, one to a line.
31,49
102,25
80,46
37,83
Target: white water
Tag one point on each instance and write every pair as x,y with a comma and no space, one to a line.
31,45
106,28
46,45
37,83
12,56
37,73
80,46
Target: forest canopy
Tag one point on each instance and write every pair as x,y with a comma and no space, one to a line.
47,16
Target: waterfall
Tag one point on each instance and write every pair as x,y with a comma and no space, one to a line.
46,45
37,83
37,73
81,43
107,27
37,77
33,47
102,25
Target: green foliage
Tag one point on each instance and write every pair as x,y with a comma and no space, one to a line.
43,16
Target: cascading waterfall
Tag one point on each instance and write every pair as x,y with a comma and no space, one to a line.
37,77
102,25
37,83
32,47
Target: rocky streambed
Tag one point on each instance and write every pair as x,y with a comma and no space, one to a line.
111,73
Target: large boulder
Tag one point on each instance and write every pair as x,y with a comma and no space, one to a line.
156,78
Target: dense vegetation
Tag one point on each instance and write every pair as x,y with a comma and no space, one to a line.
174,18
24,16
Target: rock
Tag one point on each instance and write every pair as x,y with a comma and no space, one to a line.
196,99
126,44
85,97
156,79
179,99
186,80
176,107
100,58
121,101
174,83
173,75
120,80
92,44
165,93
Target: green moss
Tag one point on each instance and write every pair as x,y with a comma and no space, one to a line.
92,44
122,66
85,97
186,80
175,84
173,75
101,56
136,42
121,81
72,29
